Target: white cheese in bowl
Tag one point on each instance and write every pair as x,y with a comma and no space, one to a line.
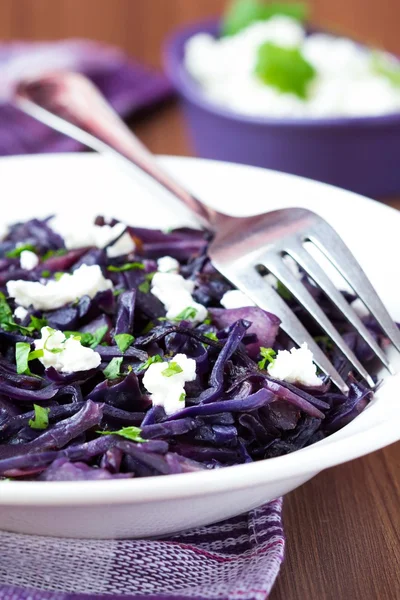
346,81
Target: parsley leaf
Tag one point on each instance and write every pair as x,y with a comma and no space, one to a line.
152,359
46,273
242,13
268,355
58,275
7,322
41,418
283,291
23,355
36,323
118,291
98,336
172,369
285,69
388,67
113,369
187,314
52,253
211,336
123,341
85,338
182,397
131,433
145,285
125,267
16,253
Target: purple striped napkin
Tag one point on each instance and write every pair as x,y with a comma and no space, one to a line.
238,559
128,86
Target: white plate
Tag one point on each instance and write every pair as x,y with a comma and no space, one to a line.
38,186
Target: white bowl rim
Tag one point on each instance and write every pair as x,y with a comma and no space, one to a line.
308,461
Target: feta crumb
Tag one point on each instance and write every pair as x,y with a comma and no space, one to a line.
28,260
70,355
85,281
167,264
236,299
20,313
296,366
78,233
169,392
175,293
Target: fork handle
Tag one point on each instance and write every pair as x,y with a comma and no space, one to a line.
71,104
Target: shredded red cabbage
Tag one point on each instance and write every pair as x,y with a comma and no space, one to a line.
101,423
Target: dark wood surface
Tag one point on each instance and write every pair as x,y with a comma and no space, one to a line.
343,526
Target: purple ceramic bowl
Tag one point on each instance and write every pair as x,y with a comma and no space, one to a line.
357,153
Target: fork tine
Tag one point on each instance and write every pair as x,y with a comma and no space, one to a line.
333,247
276,266
253,285
305,260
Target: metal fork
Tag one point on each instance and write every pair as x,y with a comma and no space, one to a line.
69,103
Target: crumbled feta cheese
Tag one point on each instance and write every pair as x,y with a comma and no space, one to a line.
65,354
85,281
167,264
175,293
345,83
78,233
28,260
20,313
236,299
296,366
169,392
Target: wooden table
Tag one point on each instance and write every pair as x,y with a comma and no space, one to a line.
343,526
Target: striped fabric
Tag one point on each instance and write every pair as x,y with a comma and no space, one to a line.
236,559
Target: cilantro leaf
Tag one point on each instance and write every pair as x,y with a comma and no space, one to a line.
23,355
125,267
123,341
268,355
172,369
113,369
242,13
285,69
388,67
152,359
131,433
16,253
41,418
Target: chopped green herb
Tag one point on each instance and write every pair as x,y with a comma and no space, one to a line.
113,369
53,253
46,274
41,418
22,351
285,69
148,327
125,267
16,253
123,341
387,66
268,355
187,314
23,355
242,13
131,433
283,291
172,369
7,322
211,336
145,285
98,336
46,347
119,291
85,338
325,341
182,397
36,323
152,359
207,321
58,275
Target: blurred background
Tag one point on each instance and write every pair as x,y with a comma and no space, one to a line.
139,27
